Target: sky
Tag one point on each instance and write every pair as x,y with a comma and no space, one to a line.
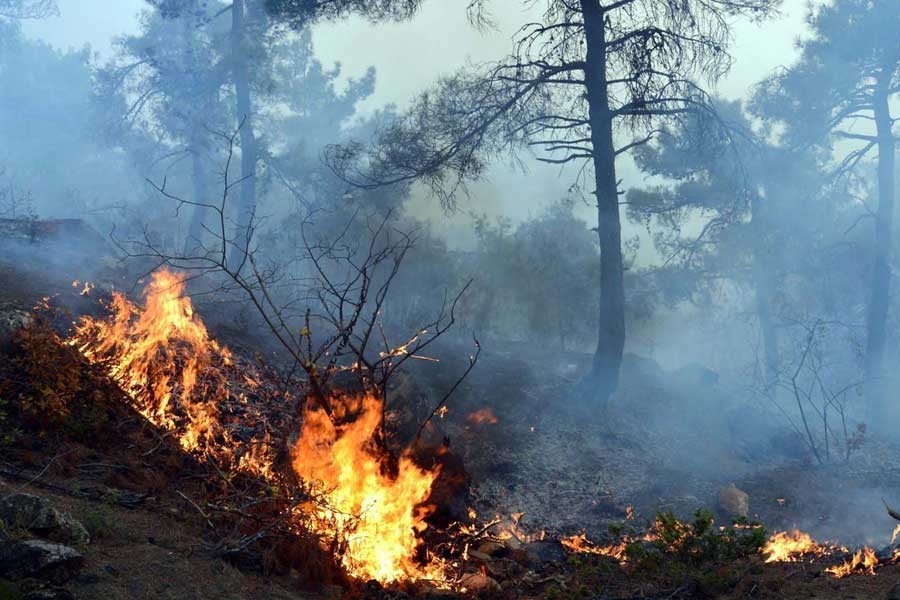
409,56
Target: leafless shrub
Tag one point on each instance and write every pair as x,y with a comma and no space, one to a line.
329,322
822,403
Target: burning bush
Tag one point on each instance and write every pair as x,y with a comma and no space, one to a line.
375,509
163,357
366,506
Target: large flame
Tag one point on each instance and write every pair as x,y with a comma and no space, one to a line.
792,547
163,357
377,515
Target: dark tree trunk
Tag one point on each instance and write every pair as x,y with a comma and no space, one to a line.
604,376
764,282
244,114
876,321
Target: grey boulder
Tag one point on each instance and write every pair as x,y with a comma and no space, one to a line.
37,515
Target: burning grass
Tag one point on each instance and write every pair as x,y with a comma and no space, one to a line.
798,546
795,546
163,357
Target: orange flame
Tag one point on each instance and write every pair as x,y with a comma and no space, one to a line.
157,355
482,416
580,544
176,375
376,515
792,547
863,561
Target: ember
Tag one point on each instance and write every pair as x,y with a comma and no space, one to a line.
482,416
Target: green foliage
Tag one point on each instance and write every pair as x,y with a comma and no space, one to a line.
696,551
541,277
99,521
699,541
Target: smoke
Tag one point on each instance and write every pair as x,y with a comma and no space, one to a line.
745,351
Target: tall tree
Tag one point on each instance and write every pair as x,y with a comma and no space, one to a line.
734,212
578,81
241,56
842,88
299,14
162,93
250,24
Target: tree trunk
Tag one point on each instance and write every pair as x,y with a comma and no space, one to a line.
244,114
194,241
764,282
876,321
604,376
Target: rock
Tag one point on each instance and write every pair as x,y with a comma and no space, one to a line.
429,592
41,559
478,584
734,502
38,516
11,319
480,556
504,568
545,551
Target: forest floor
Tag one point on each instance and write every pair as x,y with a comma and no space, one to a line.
668,441
153,551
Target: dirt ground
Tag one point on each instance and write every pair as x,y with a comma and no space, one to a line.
153,553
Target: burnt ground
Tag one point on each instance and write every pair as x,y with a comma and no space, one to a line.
549,454
668,441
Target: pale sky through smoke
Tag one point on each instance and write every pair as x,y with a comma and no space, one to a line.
410,56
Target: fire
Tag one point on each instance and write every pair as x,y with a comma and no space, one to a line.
863,561
374,514
482,416
580,544
792,547
163,357
370,508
